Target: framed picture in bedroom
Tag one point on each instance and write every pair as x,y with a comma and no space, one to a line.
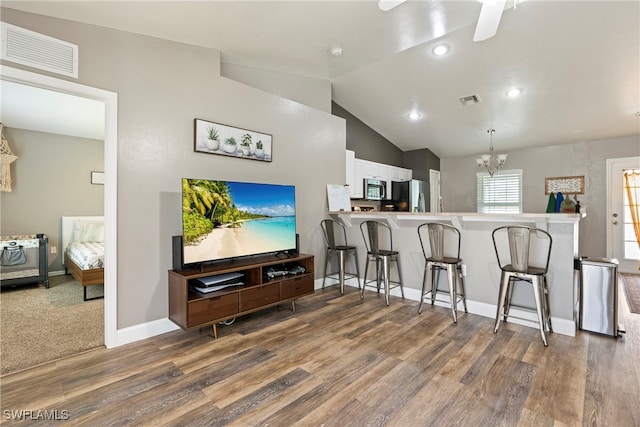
97,178
216,138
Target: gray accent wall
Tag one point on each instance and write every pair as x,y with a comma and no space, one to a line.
370,145
458,181
51,178
420,161
367,143
162,87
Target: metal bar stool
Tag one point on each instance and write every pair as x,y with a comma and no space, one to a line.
444,246
519,269
372,232
335,236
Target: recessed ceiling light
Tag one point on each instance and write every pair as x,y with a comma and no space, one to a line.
414,115
441,49
335,51
512,93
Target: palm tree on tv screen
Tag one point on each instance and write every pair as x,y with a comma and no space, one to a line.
205,204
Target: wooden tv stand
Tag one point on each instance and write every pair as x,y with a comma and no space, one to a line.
190,309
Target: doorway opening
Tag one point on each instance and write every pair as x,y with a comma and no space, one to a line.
110,100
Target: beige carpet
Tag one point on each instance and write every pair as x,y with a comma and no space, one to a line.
39,325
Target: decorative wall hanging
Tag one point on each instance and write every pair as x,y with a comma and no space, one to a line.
564,184
6,158
215,138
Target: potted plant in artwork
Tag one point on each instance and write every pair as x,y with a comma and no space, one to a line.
259,151
245,144
229,145
213,139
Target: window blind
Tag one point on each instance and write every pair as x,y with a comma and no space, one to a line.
501,193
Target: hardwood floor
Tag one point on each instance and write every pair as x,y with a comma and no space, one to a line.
341,361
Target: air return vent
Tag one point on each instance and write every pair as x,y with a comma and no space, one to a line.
39,51
470,100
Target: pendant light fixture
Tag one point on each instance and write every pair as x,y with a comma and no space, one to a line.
491,162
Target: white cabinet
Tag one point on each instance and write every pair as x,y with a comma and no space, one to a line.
367,169
399,174
357,170
355,185
358,185
379,171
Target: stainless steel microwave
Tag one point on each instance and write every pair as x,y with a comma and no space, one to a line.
374,189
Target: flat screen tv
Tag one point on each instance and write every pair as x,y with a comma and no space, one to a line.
226,219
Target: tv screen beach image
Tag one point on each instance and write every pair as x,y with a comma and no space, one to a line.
225,219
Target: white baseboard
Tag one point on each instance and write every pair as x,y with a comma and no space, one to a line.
143,331
560,326
56,273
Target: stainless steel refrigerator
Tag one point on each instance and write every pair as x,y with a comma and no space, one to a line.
410,196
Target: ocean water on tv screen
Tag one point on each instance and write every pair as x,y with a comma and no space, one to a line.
281,231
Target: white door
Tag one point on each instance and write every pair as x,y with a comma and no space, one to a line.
435,203
621,240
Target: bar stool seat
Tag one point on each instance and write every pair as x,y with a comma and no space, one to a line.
373,232
518,270
335,236
444,249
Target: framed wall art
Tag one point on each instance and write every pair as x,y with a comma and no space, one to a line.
564,184
216,138
97,178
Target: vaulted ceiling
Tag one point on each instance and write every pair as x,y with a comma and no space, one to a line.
577,63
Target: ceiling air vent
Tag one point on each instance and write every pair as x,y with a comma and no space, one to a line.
470,100
39,51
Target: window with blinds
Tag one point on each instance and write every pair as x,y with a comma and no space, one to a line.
501,193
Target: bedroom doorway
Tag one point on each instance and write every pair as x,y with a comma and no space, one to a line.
110,173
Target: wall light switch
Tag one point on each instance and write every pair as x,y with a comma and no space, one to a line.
54,250
464,270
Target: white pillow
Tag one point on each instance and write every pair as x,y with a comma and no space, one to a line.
88,231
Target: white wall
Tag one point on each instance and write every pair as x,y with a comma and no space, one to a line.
458,181
309,91
162,87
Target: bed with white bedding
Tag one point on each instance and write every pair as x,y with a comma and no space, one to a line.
86,255
83,246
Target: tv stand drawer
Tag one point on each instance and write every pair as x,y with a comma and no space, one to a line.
297,286
213,308
259,296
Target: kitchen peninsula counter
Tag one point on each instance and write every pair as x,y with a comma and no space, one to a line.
482,279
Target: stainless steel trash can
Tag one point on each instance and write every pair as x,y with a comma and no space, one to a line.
598,290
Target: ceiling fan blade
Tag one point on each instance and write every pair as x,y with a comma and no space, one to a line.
489,20
385,5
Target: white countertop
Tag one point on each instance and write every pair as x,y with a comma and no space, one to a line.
458,219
